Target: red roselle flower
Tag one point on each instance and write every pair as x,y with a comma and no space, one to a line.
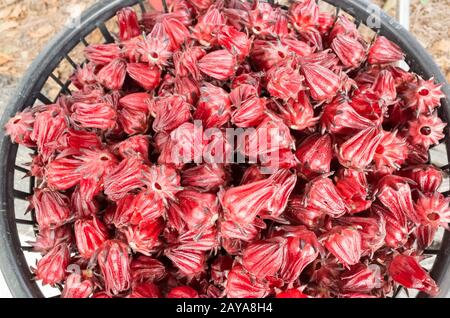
48,238
345,244
349,50
147,269
241,284
315,154
433,209
391,152
339,117
182,292
406,271
284,82
101,54
101,115
143,238
50,207
169,112
135,146
155,50
185,62
114,263
213,107
189,262
322,194
148,77
384,51
422,96
20,127
361,279
371,229
76,287
90,235
352,185
427,178
124,178
209,64
234,41
304,15
112,75
322,82
359,151
264,258
207,26
395,194
302,248
206,177
51,269
426,130
244,202
128,24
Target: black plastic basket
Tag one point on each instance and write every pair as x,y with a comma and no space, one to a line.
13,263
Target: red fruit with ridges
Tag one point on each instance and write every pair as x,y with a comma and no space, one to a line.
155,50
185,62
284,82
266,54
206,177
302,248
207,26
298,113
315,154
244,202
322,194
362,279
359,151
136,146
128,23
322,82
422,96
352,185
114,263
163,181
76,287
427,178
48,238
50,207
264,258
304,15
406,271
170,112
371,229
148,77
144,237
101,54
426,130
213,107
112,75
384,86
147,269
384,51
208,64
391,152
234,41
90,234
240,284
81,207
349,50
425,235
62,173
345,244
124,178
311,218
20,128
51,268
433,209
189,262
101,116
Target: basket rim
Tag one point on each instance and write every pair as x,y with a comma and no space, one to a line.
12,261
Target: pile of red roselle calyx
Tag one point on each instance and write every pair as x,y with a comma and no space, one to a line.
128,206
